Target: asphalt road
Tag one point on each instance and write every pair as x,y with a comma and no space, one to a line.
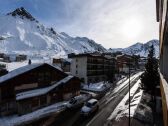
100,118
107,105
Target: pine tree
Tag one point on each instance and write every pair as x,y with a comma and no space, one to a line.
150,79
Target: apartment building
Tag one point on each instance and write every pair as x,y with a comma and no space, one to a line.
35,86
64,64
162,18
92,68
125,63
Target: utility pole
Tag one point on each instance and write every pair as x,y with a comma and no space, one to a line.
129,95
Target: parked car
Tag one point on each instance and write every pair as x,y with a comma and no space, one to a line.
76,102
91,106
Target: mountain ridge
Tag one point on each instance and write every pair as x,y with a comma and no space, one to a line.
21,33
138,48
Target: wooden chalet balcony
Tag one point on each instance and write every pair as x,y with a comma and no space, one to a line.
164,93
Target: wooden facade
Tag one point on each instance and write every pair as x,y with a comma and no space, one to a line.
124,62
36,78
162,18
62,63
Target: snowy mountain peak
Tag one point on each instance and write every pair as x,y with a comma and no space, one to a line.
139,48
23,34
21,12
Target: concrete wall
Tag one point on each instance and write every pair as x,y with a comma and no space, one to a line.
79,67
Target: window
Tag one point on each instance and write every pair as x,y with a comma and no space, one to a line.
88,104
40,76
43,100
44,76
35,102
76,72
47,76
94,103
7,93
76,60
4,107
76,66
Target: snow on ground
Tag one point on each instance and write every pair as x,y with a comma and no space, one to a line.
98,87
14,65
122,109
101,86
38,114
121,84
16,120
22,36
121,80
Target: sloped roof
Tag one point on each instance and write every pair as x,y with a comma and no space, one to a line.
22,70
42,91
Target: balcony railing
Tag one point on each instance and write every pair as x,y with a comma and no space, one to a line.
164,93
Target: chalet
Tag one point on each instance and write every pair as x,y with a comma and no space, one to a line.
62,63
142,62
6,58
2,55
3,69
35,86
92,67
124,63
21,58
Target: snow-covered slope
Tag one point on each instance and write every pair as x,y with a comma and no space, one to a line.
20,32
139,48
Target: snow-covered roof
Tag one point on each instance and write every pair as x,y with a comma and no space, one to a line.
92,100
18,72
14,120
41,91
22,70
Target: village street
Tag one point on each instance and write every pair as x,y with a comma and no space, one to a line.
107,105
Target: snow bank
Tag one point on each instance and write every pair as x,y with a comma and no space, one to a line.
122,109
97,87
121,80
121,84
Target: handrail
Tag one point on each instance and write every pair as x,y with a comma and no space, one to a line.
164,93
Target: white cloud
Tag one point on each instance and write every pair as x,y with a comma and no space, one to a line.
103,21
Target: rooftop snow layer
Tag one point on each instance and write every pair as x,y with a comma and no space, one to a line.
41,91
22,70
36,115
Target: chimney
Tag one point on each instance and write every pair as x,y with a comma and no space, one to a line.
29,61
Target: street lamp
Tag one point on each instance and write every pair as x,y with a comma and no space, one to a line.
129,94
129,86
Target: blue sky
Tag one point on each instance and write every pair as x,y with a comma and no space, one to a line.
112,23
